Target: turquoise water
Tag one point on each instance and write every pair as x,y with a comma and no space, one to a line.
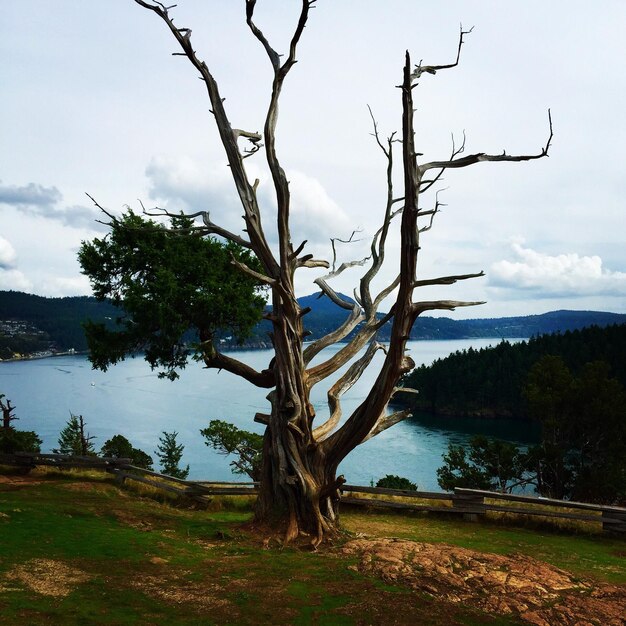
131,400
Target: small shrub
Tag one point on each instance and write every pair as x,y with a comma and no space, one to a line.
12,441
390,481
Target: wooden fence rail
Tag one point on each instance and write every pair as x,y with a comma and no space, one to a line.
472,503
469,503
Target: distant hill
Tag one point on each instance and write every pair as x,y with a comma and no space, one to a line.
55,323
58,321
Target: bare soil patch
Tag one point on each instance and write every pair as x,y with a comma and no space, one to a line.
48,577
18,480
518,585
174,590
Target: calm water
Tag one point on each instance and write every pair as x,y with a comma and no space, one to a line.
131,400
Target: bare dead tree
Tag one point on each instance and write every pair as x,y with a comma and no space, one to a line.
7,412
299,483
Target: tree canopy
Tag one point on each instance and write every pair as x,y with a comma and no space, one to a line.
177,289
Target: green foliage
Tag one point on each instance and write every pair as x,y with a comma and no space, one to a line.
118,447
582,454
489,381
489,464
12,441
228,439
170,454
391,481
73,439
174,285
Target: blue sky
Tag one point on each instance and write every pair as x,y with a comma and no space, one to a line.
92,101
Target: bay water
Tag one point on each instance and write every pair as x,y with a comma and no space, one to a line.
131,400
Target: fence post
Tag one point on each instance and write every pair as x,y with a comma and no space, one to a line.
120,478
608,527
471,503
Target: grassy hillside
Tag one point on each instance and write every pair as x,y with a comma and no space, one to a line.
82,551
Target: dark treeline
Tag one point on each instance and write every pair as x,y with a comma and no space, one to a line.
489,381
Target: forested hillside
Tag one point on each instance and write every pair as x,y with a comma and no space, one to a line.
59,321
489,381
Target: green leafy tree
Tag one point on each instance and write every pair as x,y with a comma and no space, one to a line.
549,392
489,464
391,481
582,454
175,288
246,446
74,440
170,453
118,447
599,439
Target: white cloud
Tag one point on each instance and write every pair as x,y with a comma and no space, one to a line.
14,280
315,216
59,286
562,275
8,255
183,184
187,185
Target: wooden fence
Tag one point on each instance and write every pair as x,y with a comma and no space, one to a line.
472,503
468,503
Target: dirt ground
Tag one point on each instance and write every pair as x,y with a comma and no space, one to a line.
520,586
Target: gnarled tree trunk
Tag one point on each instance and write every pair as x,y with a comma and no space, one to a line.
299,488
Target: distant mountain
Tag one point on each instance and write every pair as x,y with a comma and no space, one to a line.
509,327
55,323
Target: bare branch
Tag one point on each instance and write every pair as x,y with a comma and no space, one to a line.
253,138
471,159
344,383
209,228
443,305
109,215
312,263
337,239
385,292
446,280
433,69
228,137
271,53
351,322
213,359
256,275
397,390
387,421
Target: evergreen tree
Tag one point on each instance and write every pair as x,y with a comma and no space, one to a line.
228,439
490,464
118,447
170,454
73,439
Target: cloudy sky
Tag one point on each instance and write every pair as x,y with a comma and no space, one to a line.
92,101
